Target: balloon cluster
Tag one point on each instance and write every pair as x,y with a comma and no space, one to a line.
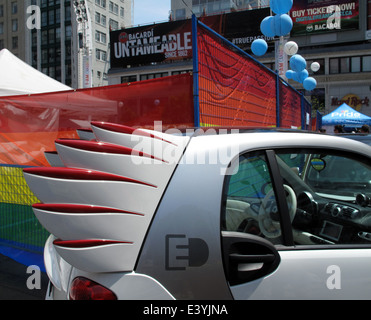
280,25
298,65
277,25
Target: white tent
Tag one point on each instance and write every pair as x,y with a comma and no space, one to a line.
17,77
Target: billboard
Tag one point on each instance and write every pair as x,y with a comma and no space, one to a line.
152,43
172,41
320,16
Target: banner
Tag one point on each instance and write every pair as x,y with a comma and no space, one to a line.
172,41
154,43
319,16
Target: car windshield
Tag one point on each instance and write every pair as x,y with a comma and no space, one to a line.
337,177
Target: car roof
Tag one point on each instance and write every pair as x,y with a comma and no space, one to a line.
263,138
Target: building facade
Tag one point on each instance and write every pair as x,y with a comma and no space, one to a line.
184,9
66,40
12,26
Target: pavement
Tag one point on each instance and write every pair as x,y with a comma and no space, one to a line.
13,281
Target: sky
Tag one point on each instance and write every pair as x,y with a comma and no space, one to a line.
149,11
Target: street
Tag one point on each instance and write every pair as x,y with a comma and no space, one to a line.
13,282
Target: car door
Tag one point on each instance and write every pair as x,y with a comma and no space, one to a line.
296,224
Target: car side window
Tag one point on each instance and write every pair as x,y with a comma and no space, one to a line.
250,203
333,197
328,197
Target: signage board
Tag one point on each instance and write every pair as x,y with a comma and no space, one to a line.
321,16
172,41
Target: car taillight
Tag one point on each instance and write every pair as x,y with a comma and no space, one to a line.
85,289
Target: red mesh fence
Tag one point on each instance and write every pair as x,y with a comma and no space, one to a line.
31,123
289,107
233,90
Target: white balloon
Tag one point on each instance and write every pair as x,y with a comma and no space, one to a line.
290,48
315,66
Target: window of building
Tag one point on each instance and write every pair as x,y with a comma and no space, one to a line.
114,25
51,36
100,19
44,56
14,25
174,73
344,65
14,8
58,34
113,8
355,63
122,12
15,43
34,38
350,64
366,63
334,66
68,32
51,55
44,19
126,79
100,55
1,10
153,75
51,17
44,37
101,3
100,36
180,14
67,14
58,16
321,64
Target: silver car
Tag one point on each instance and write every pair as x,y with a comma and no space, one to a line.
206,214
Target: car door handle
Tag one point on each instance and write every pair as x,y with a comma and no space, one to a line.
252,257
247,257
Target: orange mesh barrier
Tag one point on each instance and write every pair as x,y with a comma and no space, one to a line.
233,89
31,123
290,107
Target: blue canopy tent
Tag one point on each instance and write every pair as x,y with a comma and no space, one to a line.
347,116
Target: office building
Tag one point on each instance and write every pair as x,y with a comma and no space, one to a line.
67,40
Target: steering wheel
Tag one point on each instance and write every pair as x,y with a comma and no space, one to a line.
270,228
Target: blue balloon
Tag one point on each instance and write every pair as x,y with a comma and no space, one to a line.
295,76
281,6
289,74
267,27
302,75
297,63
309,83
259,47
282,24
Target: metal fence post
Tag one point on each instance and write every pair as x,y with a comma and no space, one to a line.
196,100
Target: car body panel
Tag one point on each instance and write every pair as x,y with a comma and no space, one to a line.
313,274
168,241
